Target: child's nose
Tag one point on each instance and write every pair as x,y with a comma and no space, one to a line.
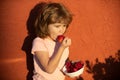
61,29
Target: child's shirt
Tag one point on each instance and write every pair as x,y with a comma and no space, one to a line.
50,46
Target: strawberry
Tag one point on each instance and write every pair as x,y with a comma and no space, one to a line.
73,66
75,69
78,65
60,38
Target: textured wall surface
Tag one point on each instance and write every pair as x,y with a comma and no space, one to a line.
95,34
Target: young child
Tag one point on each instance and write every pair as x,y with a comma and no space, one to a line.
49,55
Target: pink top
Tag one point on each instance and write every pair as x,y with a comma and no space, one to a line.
50,46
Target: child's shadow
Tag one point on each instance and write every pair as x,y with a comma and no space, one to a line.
27,45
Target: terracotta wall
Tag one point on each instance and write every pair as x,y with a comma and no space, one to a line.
94,33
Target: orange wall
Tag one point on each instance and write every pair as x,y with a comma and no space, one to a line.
94,33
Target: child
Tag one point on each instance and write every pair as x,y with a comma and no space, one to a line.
49,55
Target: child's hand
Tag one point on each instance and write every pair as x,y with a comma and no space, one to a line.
66,42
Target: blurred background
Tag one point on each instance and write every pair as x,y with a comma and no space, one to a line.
95,34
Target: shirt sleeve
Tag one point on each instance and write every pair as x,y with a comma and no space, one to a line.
38,45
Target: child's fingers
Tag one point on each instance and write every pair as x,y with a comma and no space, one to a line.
67,41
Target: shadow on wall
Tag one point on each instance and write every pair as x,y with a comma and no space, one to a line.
80,78
27,45
109,70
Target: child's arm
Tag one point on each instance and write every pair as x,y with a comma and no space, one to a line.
49,65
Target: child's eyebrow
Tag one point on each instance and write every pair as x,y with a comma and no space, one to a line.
60,24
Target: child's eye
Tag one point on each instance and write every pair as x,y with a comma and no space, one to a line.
57,26
64,25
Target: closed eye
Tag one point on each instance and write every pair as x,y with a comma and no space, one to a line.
57,26
64,25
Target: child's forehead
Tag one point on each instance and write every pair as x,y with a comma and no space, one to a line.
59,19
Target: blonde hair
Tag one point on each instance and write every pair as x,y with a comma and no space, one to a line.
51,13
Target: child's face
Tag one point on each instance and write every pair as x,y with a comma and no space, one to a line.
56,29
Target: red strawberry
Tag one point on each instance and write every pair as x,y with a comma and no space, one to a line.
75,69
73,66
60,38
68,64
78,65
